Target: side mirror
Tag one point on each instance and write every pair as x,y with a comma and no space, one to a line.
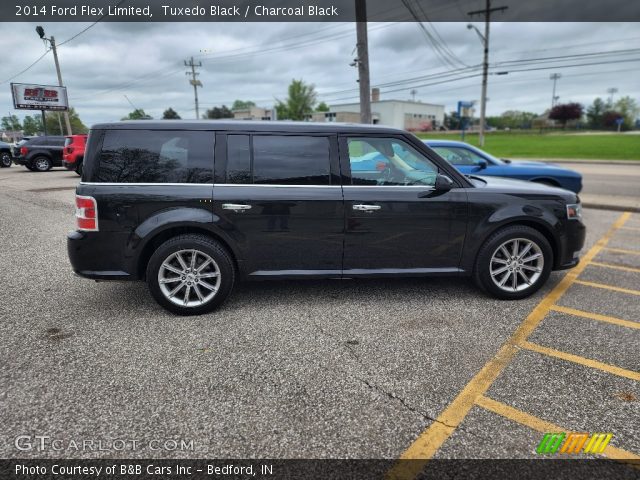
443,183
482,164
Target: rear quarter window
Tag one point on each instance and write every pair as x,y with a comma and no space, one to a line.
155,156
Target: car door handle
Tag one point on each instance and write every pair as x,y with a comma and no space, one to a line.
366,208
236,207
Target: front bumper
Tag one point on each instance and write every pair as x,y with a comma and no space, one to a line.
571,243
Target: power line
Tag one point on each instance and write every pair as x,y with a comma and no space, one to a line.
29,67
90,26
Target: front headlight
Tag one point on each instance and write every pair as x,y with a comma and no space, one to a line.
574,211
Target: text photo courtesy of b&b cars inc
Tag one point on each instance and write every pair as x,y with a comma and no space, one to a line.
358,239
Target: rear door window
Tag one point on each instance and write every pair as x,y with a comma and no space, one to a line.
155,156
291,160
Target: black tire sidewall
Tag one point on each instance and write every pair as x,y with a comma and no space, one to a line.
35,162
482,274
199,242
5,160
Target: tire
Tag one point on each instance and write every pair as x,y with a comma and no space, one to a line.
5,160
41,164
79,169
217,261
491,255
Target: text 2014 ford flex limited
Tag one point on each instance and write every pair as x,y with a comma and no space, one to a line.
193,207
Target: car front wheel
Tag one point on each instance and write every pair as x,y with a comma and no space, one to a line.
42,164
190,274
513,263
5,160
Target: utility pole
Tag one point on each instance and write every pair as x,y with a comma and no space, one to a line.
194,81
555,77
485,62
363,61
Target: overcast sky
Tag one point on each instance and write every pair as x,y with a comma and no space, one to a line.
256,61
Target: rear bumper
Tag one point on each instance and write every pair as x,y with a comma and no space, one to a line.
91,258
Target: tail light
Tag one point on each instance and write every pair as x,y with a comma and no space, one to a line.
24,151
86,213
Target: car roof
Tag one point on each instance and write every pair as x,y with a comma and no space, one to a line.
247,125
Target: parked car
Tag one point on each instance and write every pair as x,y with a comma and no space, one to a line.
40,154
5,155
17,145
73,152
192,207
471,160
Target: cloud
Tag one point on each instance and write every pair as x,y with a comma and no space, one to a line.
257,61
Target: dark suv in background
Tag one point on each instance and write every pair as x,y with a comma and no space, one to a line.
192,207
40,154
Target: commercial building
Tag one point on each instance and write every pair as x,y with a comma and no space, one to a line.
404,114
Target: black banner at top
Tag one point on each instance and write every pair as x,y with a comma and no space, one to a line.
318,10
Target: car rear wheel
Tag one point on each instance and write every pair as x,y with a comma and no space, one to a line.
190,274
79,169
513,263
5,160
42,164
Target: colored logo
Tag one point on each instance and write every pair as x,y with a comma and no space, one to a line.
573,443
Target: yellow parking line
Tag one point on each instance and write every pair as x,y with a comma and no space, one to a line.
596,316
543,426
622,250
587,362
608,287
430,440
616,267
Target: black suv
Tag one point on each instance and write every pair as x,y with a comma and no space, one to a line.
192,207
40,154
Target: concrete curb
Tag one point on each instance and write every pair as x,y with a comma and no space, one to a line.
583,162
616,208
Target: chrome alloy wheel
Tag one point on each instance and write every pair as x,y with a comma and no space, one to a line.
516,264
189,278
42,164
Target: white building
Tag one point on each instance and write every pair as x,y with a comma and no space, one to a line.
403,114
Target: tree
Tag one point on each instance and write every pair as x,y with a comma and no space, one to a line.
170,114
565,112
56,119
595,112
11,122
301,100
609,119
322,107
218,112
629,109
451,121
137,114
242,105
32,125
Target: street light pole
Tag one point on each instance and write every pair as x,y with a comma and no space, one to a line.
554,77
52,42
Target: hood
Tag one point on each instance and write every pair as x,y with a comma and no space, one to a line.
531,163
507,185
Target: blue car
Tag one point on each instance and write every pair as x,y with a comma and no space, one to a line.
473,161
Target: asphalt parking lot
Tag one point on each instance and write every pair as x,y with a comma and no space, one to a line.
407,368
